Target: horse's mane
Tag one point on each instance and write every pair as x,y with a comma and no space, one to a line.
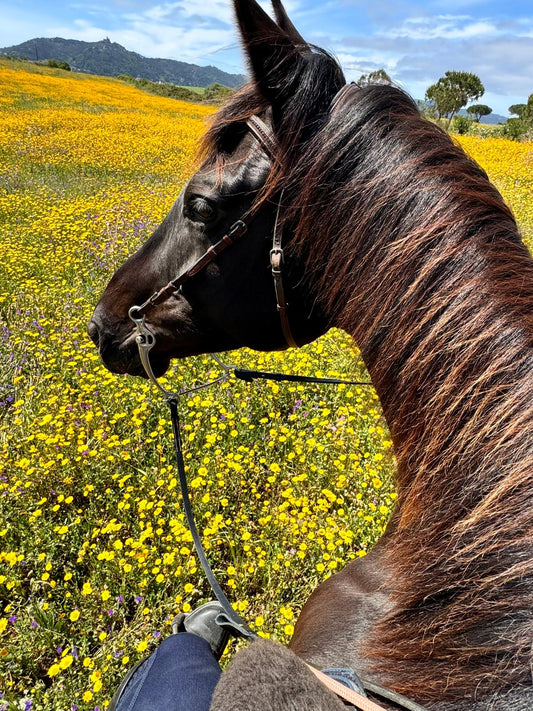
415,254
418,257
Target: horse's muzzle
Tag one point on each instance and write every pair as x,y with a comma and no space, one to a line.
119,355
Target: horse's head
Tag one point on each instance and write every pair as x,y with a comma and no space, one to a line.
231,302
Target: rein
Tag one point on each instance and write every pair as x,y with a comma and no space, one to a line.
230,619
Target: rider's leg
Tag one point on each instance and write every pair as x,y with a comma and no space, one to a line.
180,675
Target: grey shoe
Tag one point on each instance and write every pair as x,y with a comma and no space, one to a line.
205,622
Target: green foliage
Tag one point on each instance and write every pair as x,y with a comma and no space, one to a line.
487,130
520,128
528,111
517,109
171,90
461,125
453,91
13,58
216,93
58,64
479,110
213,94
379,76
514,128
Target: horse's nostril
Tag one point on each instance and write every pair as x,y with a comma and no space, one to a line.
94,333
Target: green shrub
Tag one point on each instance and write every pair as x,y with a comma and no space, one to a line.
58,64
461,125
161,89
217,93
514,129
486,130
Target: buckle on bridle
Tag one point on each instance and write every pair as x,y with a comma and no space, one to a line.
237,229
276,259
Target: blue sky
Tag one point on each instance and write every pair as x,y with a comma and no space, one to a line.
415,41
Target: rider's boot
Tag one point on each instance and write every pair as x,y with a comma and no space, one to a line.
205,622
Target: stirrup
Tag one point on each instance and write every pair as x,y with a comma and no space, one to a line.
207,621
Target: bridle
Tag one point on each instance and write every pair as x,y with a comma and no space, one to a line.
146,340
238,229
268,142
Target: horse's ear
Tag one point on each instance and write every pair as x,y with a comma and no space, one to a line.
286,25
269,47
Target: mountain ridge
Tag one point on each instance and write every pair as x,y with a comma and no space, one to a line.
108,58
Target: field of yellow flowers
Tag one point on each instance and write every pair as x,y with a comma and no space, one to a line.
288,482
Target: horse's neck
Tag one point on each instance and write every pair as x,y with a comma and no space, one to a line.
449,350
413,252
512,701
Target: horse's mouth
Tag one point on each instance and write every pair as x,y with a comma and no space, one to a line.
125,359
121,356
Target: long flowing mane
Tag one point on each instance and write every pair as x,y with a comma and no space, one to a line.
418,257
431,278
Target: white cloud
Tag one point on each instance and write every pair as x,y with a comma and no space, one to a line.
354,65
217,9
151,39
442,27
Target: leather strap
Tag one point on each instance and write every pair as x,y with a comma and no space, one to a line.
267,139
264,135
250,375
353,697
235,232
276,260
230,620
362,702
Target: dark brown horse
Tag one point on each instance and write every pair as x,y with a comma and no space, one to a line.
392,233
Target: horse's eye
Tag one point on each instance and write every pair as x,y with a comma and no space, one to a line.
201,209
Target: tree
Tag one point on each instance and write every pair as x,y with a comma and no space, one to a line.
528,111
522,127
517,109
453,91
479,110
379,76
58,64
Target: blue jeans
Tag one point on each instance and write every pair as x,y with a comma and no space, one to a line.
180,675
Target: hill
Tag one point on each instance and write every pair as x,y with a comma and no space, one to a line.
491,119
108,58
